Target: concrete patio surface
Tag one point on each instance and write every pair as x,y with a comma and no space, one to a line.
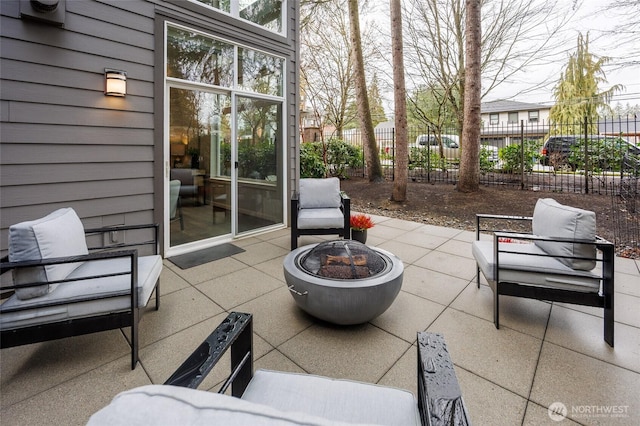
543,354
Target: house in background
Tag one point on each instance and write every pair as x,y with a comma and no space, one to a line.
207,96
505,122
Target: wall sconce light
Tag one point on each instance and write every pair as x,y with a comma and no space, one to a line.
115,82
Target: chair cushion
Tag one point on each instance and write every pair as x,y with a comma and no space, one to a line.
552,219
333,399
79,299
319,193
320,218
172,405
59,234
528,268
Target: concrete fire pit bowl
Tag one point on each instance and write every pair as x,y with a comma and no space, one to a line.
344,300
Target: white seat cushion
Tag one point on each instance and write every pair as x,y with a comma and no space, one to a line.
320,218
553,219
172,405
540,271
59,234
77,299
333,399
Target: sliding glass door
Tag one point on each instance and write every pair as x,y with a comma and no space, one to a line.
225,139
200,156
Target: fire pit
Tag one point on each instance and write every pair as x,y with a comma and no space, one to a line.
343,281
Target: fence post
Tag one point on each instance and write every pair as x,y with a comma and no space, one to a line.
586,156
393,147
521,154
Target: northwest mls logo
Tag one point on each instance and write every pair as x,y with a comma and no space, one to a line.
557,411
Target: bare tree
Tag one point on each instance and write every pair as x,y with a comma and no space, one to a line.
400,101
511,41
326,63
327,67
374,169
469,163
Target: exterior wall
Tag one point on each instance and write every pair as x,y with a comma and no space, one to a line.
63,143
503,117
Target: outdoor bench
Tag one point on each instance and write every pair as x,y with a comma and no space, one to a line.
61,288
279,398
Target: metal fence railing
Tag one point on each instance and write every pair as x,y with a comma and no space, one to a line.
579,157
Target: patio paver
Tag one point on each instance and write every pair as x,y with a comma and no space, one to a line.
543,352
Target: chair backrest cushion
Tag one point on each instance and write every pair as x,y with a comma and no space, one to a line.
552,219
319,193
185,176
59,234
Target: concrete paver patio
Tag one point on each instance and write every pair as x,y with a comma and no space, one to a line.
544,353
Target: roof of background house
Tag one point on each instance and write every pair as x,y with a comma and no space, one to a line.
502,105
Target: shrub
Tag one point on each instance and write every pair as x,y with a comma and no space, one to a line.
486,165
311,163
511,155
341,155
429,160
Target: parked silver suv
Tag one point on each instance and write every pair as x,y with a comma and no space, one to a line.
451,146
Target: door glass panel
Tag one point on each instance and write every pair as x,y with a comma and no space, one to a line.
259,136
199,137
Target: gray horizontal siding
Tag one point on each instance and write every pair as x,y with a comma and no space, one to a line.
17,175
63,143
29,93
35,133
20,112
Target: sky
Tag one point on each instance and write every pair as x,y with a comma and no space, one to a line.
590,17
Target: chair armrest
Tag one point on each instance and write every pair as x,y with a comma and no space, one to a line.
606,247
132,254
496,217
150,241
439,396
235,332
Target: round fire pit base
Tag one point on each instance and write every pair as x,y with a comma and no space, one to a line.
343,301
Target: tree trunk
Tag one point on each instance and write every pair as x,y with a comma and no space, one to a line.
469,162
401,170
372,158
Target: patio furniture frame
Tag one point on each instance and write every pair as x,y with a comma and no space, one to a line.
344,231
602,299
439,396
91,323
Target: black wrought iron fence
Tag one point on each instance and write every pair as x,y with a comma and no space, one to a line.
625,197
580,157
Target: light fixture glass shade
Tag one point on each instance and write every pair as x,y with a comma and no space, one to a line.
115,82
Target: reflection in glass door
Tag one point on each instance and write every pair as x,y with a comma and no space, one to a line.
259,186
200,165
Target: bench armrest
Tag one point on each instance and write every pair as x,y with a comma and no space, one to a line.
235,332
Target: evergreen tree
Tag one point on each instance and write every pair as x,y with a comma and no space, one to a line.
577,93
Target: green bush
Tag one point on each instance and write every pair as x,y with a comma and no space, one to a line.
341,156
311,163
511,155
429,160
486,165
604,154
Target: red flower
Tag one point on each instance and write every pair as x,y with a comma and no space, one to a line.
360,222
